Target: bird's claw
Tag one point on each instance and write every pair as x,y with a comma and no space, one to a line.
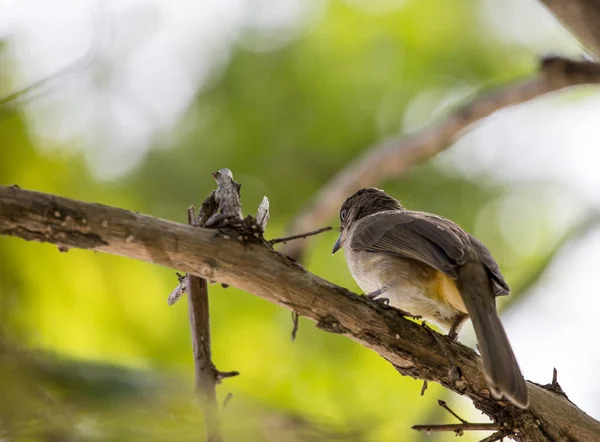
384,301
374,295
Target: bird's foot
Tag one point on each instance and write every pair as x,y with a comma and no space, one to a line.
374,295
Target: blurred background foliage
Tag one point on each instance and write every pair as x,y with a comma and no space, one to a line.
89,349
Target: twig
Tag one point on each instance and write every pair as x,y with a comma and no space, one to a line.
445,406
227,399
80,64
396,156
555,386
207,375
295,322
285,239
424,388
458,428
263,214
178,291
206,372
226,374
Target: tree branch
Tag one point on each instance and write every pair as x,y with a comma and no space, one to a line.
79,65
457,428
581,17
397,155
285,239
206,374
252,265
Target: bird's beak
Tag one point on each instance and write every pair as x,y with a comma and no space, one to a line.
338,245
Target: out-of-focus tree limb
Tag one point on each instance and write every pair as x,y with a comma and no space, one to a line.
82,63
397,155
252,265
80,380
581,17
524,287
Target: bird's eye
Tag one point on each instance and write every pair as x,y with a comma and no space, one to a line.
343,214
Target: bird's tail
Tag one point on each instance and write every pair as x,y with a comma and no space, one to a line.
499,362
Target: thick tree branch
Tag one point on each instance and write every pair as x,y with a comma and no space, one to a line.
397,155
251,265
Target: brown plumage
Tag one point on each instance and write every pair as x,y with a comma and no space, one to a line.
429,266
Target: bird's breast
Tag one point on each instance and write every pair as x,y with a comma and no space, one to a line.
373,271
409,285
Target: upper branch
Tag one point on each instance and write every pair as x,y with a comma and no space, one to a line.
253,266
397,155
581,17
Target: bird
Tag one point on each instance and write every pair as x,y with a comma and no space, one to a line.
429,266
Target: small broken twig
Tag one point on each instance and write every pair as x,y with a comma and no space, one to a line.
263,214
227,374
300,236
227,399
178,291
424,388
295,321
555,386
459,429
445,406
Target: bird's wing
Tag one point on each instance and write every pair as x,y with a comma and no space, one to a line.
424,237
500,285
427,238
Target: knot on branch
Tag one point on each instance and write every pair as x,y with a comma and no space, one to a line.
331,325
554,386
222,210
